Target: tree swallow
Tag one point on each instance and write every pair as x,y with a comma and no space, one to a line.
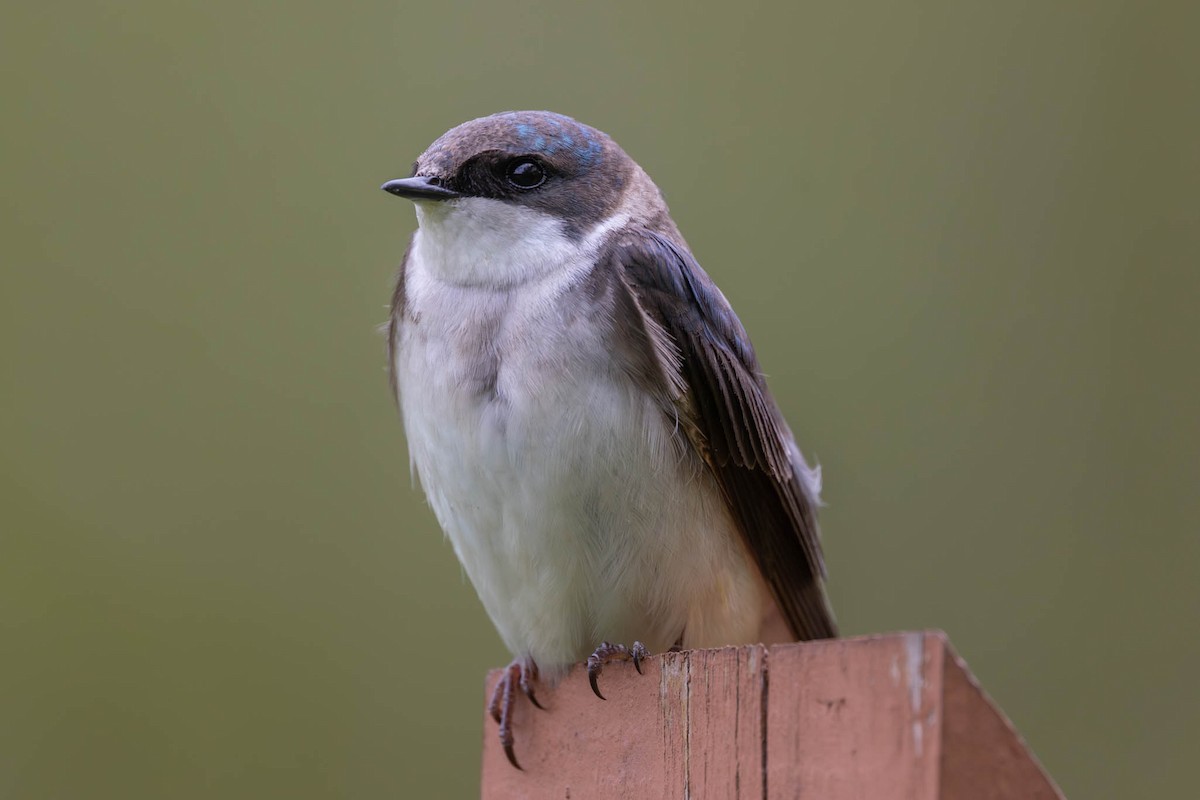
586,414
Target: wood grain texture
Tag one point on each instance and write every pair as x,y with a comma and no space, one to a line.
895,716
691,726
855,718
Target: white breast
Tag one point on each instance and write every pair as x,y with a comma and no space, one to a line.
573,504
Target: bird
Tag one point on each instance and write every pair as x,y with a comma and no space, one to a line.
586,414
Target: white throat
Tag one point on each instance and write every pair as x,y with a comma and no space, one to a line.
487,243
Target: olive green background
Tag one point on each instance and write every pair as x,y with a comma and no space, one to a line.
962,235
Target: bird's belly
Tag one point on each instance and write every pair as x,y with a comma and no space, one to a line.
574,506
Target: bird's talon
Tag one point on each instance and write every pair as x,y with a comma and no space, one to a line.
494,703
512,759
528,676
608,652
521,672
593,673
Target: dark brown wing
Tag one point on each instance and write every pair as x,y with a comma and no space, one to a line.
731,420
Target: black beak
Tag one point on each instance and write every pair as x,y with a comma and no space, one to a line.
419,189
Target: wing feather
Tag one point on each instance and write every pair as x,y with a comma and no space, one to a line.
732,420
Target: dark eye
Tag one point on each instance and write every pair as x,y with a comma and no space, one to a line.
525,173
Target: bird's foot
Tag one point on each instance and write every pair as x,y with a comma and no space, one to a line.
521,673
606,653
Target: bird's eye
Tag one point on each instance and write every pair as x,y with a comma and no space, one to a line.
525,173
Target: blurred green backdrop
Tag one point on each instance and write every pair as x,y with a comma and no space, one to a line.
962,235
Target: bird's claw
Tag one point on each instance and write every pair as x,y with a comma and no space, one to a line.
521,673
608,652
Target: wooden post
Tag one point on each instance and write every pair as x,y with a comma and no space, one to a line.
894,716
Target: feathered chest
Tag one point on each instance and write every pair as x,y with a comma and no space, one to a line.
526,378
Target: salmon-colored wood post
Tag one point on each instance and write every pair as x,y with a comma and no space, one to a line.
895,716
